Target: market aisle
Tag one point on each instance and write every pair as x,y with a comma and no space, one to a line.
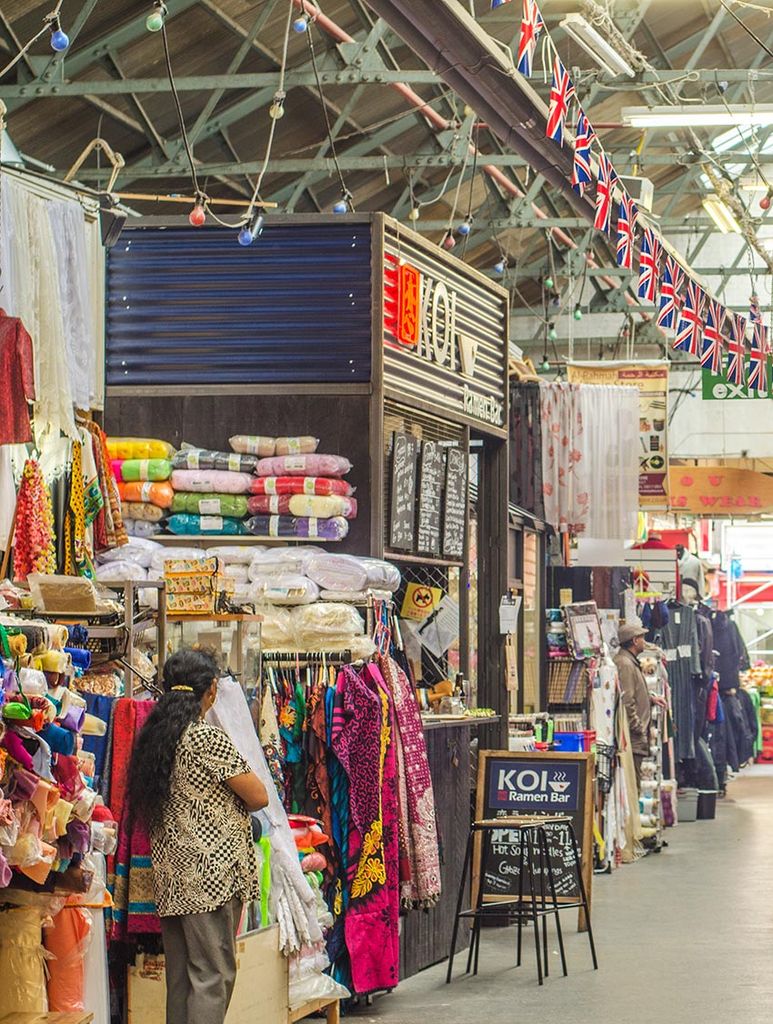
682,936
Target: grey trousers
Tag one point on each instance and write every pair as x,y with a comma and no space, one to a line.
200,952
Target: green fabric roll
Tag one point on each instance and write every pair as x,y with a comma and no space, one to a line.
146,469
232,505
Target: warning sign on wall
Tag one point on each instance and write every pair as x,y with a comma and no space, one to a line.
420,601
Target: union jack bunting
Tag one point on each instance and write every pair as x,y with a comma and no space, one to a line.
604,194
561,95
531,26
498,3
736,349
670,289
758,359
689,330
711,350
649,264
581,169
626,225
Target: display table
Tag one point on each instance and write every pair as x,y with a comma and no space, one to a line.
330,1007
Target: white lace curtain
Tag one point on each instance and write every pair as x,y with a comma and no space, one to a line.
590,460
51,278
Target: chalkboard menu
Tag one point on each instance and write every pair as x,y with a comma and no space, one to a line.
431,482
455,503
402,524
512,783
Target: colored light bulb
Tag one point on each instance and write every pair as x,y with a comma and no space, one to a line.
414,214
197,216
552,333
464,228
765,202
545,365
449,242
301,24
155,20
549,283
246,237
276,110
59,40
500,267
341,206
578,314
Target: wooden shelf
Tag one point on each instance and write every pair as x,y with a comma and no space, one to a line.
400,556
223,540
212,617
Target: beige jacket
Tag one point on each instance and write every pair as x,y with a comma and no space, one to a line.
636,698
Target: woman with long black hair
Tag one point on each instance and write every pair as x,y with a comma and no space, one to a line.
193,791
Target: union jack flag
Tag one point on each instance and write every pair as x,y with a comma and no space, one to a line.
604,194
736,349
626,225
690,327
758,359
531,26
649,264
711,351
581,169
670,289
561,95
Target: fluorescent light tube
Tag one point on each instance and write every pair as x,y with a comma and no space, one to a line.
596,46
698,116
722,215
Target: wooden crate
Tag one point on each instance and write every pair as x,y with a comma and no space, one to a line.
260,992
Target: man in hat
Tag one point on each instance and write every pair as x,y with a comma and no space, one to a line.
636,695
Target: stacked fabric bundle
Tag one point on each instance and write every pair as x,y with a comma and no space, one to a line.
142,468
49,832
210,492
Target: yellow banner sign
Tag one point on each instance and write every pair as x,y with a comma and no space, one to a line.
716,491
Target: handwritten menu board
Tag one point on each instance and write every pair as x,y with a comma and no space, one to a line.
402,523
455,503
543,785
431,482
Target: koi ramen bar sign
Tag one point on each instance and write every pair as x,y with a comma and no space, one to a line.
445,333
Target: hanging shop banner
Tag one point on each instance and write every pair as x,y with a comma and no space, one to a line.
445,333
720,491
718,388
651,378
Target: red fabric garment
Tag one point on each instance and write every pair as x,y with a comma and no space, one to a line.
17,374
712,701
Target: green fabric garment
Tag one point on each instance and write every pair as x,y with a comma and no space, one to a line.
755,696
232,505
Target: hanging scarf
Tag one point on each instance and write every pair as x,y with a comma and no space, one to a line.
420,877
77,560
109,529
34,549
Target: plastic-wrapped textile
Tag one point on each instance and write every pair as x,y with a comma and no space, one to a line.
122,570
304,465
96,991
211,481
298,526
234,554
138,550
337,572
316,624
269,504
67,940
301,485
138,448
284,590
237,571
276,629
254,444
164,555
141,528
214,526
144,510
160,494
203,458
22,959
128,470
232,505
323,506
293,902
282,560
382,575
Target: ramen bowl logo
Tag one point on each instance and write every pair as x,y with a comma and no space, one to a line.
559,783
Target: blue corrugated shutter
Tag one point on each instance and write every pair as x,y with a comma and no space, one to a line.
194,307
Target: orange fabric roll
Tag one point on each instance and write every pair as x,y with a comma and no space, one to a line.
159,493
68,941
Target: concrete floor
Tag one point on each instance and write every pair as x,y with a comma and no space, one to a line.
683,937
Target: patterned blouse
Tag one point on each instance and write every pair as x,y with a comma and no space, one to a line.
202,853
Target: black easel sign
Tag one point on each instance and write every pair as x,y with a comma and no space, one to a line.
432,465
512,783
402,520
455,503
